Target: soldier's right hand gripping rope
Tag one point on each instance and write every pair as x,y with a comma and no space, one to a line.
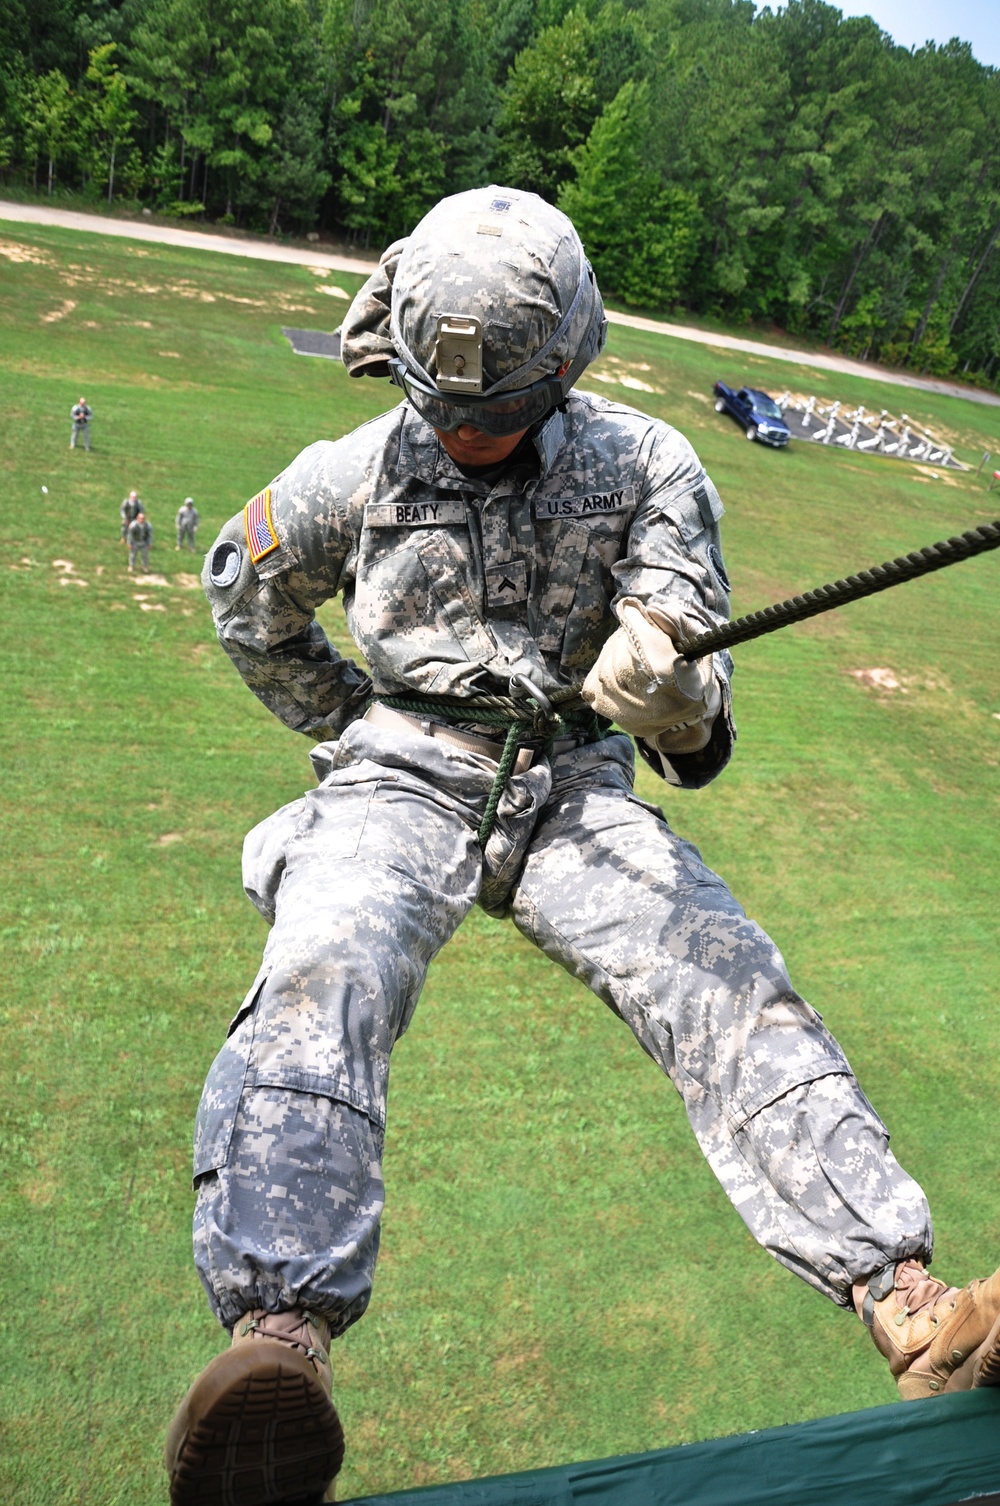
641,681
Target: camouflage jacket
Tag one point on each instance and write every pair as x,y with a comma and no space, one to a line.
451,584
140,534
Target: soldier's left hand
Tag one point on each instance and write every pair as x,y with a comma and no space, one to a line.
641,682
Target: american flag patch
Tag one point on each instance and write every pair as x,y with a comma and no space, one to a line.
261,537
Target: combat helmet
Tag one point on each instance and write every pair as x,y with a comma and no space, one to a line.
485,315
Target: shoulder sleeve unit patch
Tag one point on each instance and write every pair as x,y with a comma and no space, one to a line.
261,537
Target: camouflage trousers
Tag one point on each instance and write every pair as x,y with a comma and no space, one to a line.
369,875
185,535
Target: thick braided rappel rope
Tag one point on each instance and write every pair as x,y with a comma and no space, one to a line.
543,716
894,572
538,715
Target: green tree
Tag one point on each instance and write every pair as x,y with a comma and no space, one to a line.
558,87
221,74
51,120
641,234
412,112
112,114
293,169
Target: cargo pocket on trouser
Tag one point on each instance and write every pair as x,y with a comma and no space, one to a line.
346,793
264,856
213,1128
290,1191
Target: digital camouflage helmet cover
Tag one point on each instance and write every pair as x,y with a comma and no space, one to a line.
485,315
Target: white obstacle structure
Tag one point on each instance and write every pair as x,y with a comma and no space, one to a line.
824,435
807,407
850,440
857,429
899,448
877,440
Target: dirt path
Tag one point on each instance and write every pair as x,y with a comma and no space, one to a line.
192,240
259,250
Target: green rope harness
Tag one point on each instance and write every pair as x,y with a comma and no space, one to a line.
537,716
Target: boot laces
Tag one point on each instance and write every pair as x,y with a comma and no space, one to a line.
291,1328
915,1288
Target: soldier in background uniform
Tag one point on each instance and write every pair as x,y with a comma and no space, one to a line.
128,512
518,561
81,413
187,524
140,537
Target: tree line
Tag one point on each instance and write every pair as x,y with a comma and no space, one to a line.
794,167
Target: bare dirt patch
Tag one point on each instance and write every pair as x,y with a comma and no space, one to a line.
32,254
879,679
623,374
68,306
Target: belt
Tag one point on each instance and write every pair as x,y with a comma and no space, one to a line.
378,715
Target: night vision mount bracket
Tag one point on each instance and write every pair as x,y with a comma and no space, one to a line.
459,353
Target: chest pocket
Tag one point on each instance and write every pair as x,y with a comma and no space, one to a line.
561,580
415,609
575,607
446,568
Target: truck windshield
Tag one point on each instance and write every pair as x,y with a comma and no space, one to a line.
765,404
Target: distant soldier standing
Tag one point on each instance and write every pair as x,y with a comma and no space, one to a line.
140,536
187,524
81,413
128,512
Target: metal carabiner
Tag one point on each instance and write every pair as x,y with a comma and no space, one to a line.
546,717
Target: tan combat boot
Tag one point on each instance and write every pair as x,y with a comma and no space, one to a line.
936,1338
258,1427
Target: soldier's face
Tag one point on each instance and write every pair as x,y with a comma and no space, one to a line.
469,446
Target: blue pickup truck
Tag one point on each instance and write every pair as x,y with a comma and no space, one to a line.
759,414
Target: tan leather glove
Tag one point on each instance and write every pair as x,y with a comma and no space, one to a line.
641,682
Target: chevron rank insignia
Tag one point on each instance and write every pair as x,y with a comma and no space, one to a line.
261,537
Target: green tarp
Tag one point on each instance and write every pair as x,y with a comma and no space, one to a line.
924,1453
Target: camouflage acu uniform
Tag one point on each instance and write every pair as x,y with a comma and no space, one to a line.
449,584
140,537
128,512
187,521
81,414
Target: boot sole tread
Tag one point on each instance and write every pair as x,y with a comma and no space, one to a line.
264,1433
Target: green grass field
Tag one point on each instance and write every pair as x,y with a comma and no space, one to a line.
561,1276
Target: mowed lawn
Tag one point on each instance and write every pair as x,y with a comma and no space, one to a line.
561,1276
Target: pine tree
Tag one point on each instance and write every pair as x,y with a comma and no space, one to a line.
640,234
